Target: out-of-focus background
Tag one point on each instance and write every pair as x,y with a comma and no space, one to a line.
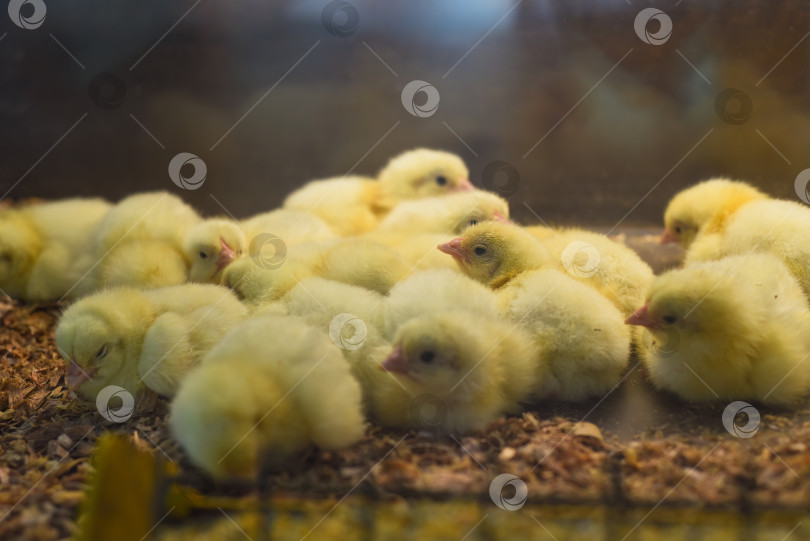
589,112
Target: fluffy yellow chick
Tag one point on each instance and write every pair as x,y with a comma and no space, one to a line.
140,242
273,387
352,261
781,228
613,269
292,226
432,291
733,329
354,205
140,339
581,340
493,253
212,245
455,372
447,214
703,210
43,247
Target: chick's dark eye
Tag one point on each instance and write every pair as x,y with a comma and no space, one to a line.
203,255
678,229
474,221
427,357
670,320
102,352
441,181
480,250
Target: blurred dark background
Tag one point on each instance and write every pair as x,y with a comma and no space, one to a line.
595,125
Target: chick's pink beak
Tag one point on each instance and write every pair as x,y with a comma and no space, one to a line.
668,237
465,185
76,375
455,249
395,362
226,255
501,218
641,317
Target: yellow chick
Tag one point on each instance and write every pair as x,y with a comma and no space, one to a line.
733,329
140,242
455,372
613,269
352,261
493,253
291,226
43,247
432,291
701,212
448,214
270,389
140,339
354,205
212,245
581,340
778,227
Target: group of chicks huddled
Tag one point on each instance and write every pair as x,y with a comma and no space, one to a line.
409,299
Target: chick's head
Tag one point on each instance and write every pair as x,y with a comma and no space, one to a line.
704,205
19,246
693,307
434,355
211,246
421,173
467,209
493,252
95,336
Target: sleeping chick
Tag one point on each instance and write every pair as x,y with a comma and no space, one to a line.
493,253
781,228
581,340
355,205
143,339
448,214
700,212
733,329
43,247
140,242
270,389
455,372
611,268
212,245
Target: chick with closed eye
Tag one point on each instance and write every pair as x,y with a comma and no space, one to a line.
355,205
143,339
